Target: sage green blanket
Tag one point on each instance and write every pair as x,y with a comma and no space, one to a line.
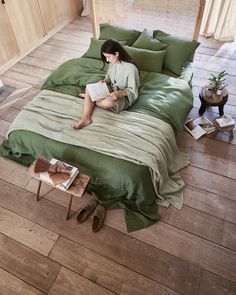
129,136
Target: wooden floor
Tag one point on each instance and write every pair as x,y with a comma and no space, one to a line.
190,251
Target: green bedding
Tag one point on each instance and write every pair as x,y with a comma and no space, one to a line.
129,185
160,96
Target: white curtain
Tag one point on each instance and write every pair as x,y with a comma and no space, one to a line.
219,20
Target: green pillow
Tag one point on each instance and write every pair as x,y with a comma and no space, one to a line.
178,50
94,50
146,41
108,31
147,60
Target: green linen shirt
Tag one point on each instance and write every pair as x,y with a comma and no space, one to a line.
125,76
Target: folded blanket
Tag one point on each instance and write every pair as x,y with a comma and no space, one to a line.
130,136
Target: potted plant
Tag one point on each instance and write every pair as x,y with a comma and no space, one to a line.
217,84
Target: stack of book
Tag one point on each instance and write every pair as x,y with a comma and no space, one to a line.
225,120
59,179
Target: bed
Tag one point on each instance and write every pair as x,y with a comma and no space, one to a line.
132,158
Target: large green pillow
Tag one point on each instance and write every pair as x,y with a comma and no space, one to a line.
147,60
108,31
94,50
146,41
178,50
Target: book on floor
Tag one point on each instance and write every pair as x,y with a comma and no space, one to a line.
98,90
61,180
225,120
199,127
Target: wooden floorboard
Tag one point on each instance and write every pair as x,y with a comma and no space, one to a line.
190,251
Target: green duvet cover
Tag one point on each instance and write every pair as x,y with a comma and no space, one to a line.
116,183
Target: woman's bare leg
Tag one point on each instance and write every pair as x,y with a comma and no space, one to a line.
88,110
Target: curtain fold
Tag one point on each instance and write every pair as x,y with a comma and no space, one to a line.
219,20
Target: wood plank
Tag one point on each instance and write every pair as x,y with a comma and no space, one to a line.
11,285
39,63
194,222
210,182
154,264
216,64
5,92
72,39
210,203
9,114
21,101
56,57
209,162
68,282
232,169
14,83
52,49
103,271
26,264
26,232
60,44
30,70
4,127
72,30
13,173
212,284
31,80
204,254
207,145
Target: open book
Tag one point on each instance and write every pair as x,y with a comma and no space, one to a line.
59,179
199,127
97,90
225,120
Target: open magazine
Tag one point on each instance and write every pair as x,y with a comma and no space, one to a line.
199,127
59,179
97,90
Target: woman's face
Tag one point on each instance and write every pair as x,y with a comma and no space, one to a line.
112,58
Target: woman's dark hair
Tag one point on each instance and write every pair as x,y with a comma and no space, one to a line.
112,46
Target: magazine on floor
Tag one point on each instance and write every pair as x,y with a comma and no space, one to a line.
61,180
199,127
225,120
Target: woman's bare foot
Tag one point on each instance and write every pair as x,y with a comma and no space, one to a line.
82,123
82,95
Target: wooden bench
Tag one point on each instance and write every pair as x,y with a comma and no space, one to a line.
76,189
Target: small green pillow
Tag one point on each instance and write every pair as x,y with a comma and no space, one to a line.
94,50
146,41
108,31
147,60
178,50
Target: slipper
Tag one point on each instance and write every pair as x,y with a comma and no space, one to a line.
86,210
98,218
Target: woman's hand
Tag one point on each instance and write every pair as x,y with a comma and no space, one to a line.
115,94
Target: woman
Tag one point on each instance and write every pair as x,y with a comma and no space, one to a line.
123,77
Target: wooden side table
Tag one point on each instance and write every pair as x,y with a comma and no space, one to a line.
228,129
76,189
219,101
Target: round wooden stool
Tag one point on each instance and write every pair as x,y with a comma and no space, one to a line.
215,101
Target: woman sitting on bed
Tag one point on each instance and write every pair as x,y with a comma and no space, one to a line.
123,78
